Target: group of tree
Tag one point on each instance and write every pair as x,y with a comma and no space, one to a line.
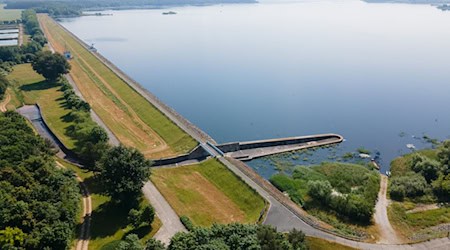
73,101
354,206
224,237
11,55
39,203
428,177
50,65
3,86
123,171
350,190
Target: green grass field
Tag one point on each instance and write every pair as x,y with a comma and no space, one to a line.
109,220
409,224
30,88
208,193
9,15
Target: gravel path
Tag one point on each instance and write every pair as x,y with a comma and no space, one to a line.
170,222
387,232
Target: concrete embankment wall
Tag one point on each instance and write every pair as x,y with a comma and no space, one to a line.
236,146
44,130
198,153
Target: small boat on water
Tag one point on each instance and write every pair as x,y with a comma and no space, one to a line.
169,13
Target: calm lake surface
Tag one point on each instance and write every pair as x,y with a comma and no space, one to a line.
378,74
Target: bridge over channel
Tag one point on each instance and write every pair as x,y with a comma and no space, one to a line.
249,150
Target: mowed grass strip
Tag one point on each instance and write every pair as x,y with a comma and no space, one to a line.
109,223
9,15
208,193
30,88
121,94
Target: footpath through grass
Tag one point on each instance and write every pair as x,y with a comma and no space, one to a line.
134,120
9,15
208,193
109,223
28,87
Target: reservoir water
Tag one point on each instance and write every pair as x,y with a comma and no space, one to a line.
378,74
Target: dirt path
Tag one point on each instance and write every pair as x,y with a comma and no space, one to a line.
83,237
387,233
5,102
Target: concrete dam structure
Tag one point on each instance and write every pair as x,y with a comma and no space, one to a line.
246,151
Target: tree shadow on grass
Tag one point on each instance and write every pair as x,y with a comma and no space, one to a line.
108,218
94,185
42,85
141,231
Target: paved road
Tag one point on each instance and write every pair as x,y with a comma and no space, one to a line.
387,233
170,222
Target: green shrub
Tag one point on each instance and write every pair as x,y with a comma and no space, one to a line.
187,223
410,185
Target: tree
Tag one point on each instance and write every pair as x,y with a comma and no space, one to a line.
320,190
444,156
441,187
297,239
50,65
123,172
427,167
153,244
10,237
134,217
131,242
148,215
270,239
410,185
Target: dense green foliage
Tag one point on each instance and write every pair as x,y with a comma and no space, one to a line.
50,65
123,172
3,85
38,202
424,177
224,237
348,189
138,217
237,236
